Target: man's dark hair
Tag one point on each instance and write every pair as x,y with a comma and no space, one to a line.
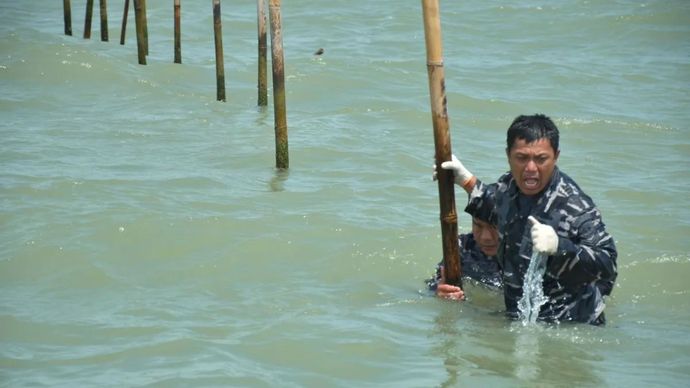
533,128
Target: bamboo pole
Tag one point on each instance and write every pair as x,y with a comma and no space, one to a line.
280,119
145,24
178,42
104,20
87,19
262,83
439,113
68,16
218,34
138,15
124,22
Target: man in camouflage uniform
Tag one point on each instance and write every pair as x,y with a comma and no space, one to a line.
477,258
540,208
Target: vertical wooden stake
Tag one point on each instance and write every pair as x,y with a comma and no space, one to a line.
68,16
145,24
124,22
262,84
282,159
138,15
87,19
177,33
218,34
104,20
439,114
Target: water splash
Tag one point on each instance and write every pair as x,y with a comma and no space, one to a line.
532,290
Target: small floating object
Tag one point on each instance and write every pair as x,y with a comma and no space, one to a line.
319,51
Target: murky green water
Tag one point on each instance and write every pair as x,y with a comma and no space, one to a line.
146,238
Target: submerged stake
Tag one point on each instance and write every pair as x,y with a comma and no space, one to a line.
178,43
439,115
145,26
68,16
104,20
218,34
262,83
87,19
282,158
124,22
138,21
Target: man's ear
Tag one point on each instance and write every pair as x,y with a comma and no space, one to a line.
558,153
508,152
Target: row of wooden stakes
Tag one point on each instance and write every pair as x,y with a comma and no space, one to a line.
434,51
277,62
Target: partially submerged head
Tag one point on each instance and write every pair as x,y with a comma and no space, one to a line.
532,150
486,236
484,230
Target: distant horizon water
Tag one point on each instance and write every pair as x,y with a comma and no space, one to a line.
147,239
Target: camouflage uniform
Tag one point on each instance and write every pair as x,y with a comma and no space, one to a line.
583,269
475,265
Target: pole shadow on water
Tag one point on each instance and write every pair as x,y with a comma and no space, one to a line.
446,325
496,347
277,182
550,354
264,117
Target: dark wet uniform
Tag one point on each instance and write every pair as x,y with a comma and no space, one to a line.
583,269
475,265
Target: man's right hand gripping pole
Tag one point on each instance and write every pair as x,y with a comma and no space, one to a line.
462,176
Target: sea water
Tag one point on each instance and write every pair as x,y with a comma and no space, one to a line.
146,238
532,289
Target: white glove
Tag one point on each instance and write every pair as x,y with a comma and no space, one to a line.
460,173
544,238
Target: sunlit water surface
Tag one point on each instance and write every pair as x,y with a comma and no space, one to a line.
147,239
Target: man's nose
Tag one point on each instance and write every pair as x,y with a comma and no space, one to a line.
531,165
484,234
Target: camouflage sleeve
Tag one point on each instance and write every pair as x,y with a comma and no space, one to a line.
586,252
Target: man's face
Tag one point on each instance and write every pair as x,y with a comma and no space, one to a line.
532,164
486,236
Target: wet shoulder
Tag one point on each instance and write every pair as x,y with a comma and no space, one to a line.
570,194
